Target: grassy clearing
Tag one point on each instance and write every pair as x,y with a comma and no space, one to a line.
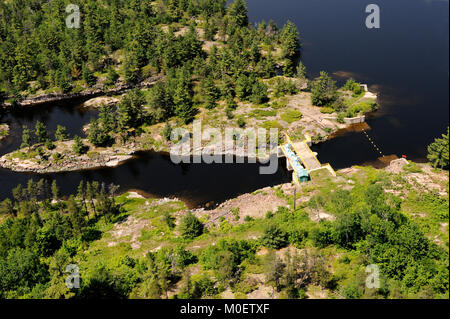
291,116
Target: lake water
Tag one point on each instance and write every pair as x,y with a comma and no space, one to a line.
405,62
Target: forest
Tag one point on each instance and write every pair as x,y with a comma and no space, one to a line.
41,233
207,52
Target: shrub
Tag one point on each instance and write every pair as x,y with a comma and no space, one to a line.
271,124
203,286
274,237
191,226
240,122
78,147
326,110
291,116
167,131
323,90
49,145
248,218
322,236
229,113
56,156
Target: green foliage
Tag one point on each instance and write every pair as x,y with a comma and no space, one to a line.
281,87
191,226
88,76
259,92
323,90
301,70
182,98
241,122
291,116
49,145
20,270
354,87
78,147
238,13
274,237
167,131
98,135
26,137
438,152
41,132
61,133
289,38
130,113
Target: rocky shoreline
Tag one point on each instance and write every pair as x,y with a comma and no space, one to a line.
4,131
70,162
56,97
37,159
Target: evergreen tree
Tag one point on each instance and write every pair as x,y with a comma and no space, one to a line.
289,38
438,151
323,90
239,13
210,92
129,110
55,190
78,147
61,133
41,132
97,135
160,102
259,92
62,80
167,131
191,226
112,76
182,99
88,76
301,70
26,137
243,87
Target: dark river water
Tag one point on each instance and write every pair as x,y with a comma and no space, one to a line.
406,62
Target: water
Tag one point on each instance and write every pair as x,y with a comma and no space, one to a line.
150,172
405,62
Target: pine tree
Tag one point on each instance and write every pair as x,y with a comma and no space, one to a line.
259,92
323,90
438,151
78,147
301,70
239,13
167,131
97,135
62,80
111,76
107,119
61,133
210,92
182,99
41,132
26,137
289,38
243,87
55,190
88,76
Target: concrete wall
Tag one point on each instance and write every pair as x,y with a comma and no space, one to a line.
355,120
